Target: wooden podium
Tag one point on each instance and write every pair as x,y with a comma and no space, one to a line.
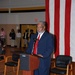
28,63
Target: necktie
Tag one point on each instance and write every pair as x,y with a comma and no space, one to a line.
36,45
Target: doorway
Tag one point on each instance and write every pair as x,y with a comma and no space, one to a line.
28,27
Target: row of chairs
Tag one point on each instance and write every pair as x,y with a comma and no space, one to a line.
61,65
11,61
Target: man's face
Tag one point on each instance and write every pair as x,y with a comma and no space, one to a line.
40,27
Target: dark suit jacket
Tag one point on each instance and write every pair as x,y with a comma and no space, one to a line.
25,35
45,48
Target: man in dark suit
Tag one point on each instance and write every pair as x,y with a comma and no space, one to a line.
44,49
25,37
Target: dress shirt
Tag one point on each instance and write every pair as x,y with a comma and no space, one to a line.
41,33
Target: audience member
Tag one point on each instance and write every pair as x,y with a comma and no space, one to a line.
12,37
25,37
18,38
3,36
31,32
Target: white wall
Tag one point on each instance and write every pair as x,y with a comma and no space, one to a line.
21,18
21,3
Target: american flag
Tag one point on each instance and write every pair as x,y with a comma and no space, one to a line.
60,16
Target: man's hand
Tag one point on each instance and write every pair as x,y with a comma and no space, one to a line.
39,55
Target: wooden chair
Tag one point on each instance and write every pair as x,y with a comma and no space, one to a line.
2,58
62,65
12,61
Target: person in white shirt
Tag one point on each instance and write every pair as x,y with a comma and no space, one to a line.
18,38
26,37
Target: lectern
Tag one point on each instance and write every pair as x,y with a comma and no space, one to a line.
28,63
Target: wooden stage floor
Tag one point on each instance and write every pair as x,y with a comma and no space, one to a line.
9,51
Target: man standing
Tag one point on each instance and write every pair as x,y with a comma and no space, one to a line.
25,37
42,44
3,37
12,36
18,38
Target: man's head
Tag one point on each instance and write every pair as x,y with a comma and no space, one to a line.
41,26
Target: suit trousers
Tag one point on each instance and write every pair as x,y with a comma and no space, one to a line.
40,71
18,42
12,43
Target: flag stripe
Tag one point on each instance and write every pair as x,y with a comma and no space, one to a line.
67,27
72,30
62,26
56,24
51,12
51,16
47,14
